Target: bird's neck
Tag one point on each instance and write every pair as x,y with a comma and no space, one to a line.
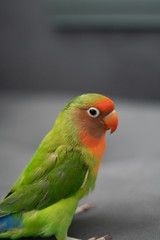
95,145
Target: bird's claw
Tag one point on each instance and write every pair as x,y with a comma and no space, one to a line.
106,237
84,208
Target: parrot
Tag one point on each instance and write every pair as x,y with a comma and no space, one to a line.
64,169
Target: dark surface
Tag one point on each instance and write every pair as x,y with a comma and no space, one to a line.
127,193
34,56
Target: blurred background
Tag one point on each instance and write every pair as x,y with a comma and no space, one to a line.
100,46
52,51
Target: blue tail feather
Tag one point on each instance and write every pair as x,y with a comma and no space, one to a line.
9,222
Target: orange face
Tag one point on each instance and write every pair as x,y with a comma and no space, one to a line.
93,121
97,117
93,115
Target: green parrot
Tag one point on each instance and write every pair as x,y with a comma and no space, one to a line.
64,168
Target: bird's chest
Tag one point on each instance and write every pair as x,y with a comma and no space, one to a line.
95,146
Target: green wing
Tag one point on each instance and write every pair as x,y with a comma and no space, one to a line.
59,176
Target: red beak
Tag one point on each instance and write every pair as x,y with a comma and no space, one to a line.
111,121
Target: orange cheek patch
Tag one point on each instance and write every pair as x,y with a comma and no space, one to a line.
95,145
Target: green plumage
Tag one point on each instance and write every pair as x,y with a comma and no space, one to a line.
40,186
47,192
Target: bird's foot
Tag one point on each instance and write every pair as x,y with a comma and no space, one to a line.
106,237
84,208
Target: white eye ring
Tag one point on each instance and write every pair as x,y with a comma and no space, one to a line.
93,112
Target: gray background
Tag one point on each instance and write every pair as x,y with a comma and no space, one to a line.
36,56
42,68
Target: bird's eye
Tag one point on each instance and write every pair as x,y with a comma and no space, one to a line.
93,112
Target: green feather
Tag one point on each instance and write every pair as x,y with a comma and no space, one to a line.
55,182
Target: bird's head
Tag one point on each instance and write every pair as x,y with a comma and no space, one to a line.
93,115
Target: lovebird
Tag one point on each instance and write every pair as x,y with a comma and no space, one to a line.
64,168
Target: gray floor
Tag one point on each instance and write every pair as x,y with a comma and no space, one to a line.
127,194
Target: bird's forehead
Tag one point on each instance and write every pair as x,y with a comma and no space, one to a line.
105,105
86,101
